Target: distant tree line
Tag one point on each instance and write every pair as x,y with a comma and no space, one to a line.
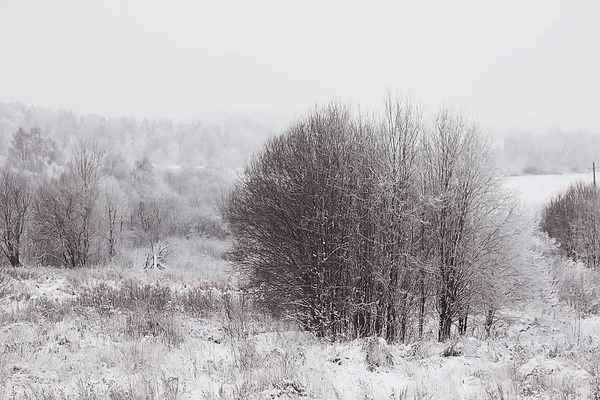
555,152
165,142
80,190
358,226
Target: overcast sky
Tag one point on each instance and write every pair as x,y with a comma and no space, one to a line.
515,64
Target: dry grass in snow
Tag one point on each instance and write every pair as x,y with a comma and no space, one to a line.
117,332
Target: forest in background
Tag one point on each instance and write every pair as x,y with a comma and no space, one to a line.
228,146
555,152
160,179
82,189
165,142
119,194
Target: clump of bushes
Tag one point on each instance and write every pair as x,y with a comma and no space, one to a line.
571,218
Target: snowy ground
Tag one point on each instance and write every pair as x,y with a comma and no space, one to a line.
535,190
185,333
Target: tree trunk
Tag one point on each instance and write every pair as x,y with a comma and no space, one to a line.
445,319
489,320
422,302
14,259
462,325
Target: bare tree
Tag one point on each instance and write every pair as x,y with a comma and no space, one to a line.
15,199
32,150
148,222
462,183
114,206
65,221
290,217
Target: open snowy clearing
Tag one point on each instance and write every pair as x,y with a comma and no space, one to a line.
535,190
186,333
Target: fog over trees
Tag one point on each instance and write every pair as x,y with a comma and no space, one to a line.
79,190
557,151
351,224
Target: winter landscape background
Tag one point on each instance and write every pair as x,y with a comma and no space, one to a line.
114,328
299,200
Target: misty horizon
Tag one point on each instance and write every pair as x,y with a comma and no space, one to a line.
513,67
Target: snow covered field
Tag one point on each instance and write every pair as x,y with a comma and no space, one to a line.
535,190
117,332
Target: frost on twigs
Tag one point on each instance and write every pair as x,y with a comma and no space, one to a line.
156,258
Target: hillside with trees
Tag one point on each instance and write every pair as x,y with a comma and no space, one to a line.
82,190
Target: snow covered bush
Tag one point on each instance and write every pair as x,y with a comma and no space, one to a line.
571,219
356,227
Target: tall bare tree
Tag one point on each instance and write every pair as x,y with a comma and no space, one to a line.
113,211
15,199
65,215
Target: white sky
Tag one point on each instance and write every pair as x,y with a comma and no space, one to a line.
525,64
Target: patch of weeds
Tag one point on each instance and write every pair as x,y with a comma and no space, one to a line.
567,389
172,387
496,392
45,310
554,351
198,302
134,358
245,355
152,324
130,295
86,390
21,274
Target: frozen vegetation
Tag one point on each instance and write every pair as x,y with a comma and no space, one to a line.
186,333
129,321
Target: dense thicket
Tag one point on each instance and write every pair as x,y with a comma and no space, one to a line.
358,227
571,218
